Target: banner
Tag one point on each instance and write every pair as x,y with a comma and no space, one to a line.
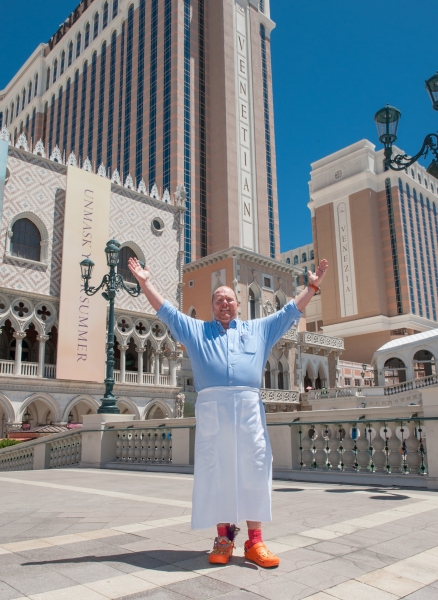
4,146
82,318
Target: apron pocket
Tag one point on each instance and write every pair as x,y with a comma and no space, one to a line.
250,420
207,418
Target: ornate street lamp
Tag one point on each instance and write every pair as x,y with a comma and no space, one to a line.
111,283
387,120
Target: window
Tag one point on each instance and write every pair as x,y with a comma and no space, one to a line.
140,88
157,225
125,254
295,259
252,305
78,44
87,35
357,382
74,111
6,117
55,70
268,376
262,6
46,110
66,112
70,53
153,94
191,283
419,178
32,135
312,255
26,240
120,121
303,257
288,261
202,130
267,281
101,103
96,26
62,62
83,108
187,131
105,15
412,173
347,381
193,313
115,8
23,99
26,128
112,86
92,104
58,120
51,123
312,267
48,79
29,93
128,86
35,89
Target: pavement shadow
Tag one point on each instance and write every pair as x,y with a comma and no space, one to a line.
288,490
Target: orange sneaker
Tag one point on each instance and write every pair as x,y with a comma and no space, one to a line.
261,555
222,551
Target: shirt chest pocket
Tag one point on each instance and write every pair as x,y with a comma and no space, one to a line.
249,343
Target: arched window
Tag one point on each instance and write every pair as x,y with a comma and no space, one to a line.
55,70
62,62
87,35
303,257
15,136
296,259
267,376
395,371
125,254
96,26
312,267
288,261
26,240
46,110
6,117
17,107
193,313
78,44
70,54
280,377
277,303
12,112
48,79
262,6
21,127
312,254
32,135
25,350
105,15
101,103
26,128
29,92
424,364
23,99
35,89
115,8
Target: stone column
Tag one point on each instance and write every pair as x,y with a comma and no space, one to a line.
19,336
172,368
274,379
140,352
122,362
41,353
157,368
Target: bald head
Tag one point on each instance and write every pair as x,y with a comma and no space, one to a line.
224,305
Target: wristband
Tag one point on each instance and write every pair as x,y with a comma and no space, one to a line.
314,287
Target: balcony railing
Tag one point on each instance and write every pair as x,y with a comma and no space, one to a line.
323,341
291,335
28,369
280,396
413,384
147,378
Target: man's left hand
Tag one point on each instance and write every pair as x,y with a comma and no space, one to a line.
317,277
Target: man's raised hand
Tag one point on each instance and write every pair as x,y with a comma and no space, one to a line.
317,277
142,275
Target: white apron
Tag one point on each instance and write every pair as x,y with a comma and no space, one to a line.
233,458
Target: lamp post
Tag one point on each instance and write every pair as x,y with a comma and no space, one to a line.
111,283
387,120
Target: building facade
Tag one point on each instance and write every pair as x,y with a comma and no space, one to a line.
379,231
160,92
32,267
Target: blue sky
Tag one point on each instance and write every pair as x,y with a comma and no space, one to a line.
335,62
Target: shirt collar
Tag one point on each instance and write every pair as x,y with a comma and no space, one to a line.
222,330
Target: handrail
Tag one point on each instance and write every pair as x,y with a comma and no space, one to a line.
342,421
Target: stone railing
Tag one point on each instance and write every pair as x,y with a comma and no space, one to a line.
144,446
49,452
333,393
323,341
280,396
413,384
291,335
147,378
28,369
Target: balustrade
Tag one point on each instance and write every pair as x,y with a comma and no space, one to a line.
7,367
29,369
144,446
66,452
147,378
324,341
50,371
280,396
376,446
16,459
413,384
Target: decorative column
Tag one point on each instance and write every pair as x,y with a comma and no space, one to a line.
41,353
274,379
140,352
157,368
19,336
122,362
172,368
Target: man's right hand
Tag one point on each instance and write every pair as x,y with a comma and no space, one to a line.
141,275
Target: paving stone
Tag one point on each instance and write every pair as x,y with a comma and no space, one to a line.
201,587
8,593
281,588
426,593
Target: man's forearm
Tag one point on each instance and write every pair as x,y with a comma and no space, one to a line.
155,299
304,297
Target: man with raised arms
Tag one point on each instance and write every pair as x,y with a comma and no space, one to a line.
233,458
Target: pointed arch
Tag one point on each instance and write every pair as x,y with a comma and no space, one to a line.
254,301
89,400
131,405
56,411
8,407
150,406
280,299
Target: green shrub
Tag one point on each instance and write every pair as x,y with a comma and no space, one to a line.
6,443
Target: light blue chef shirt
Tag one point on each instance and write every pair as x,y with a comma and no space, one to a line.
234,356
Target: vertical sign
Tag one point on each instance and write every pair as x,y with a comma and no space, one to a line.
245,128
82,319
344,247
4,147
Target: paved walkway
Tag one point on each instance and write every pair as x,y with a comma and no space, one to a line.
89,535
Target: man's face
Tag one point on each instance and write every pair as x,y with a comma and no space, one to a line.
224,305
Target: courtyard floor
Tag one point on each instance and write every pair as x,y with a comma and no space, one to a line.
94,534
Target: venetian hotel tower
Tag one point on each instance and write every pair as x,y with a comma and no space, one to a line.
168,91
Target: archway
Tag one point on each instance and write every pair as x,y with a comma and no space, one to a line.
267,376
39,409
395,371
128,407
7,414
78,407
254,301
157,410
424,364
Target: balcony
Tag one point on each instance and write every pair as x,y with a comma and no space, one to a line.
132,377
279,396
317,340
28,369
